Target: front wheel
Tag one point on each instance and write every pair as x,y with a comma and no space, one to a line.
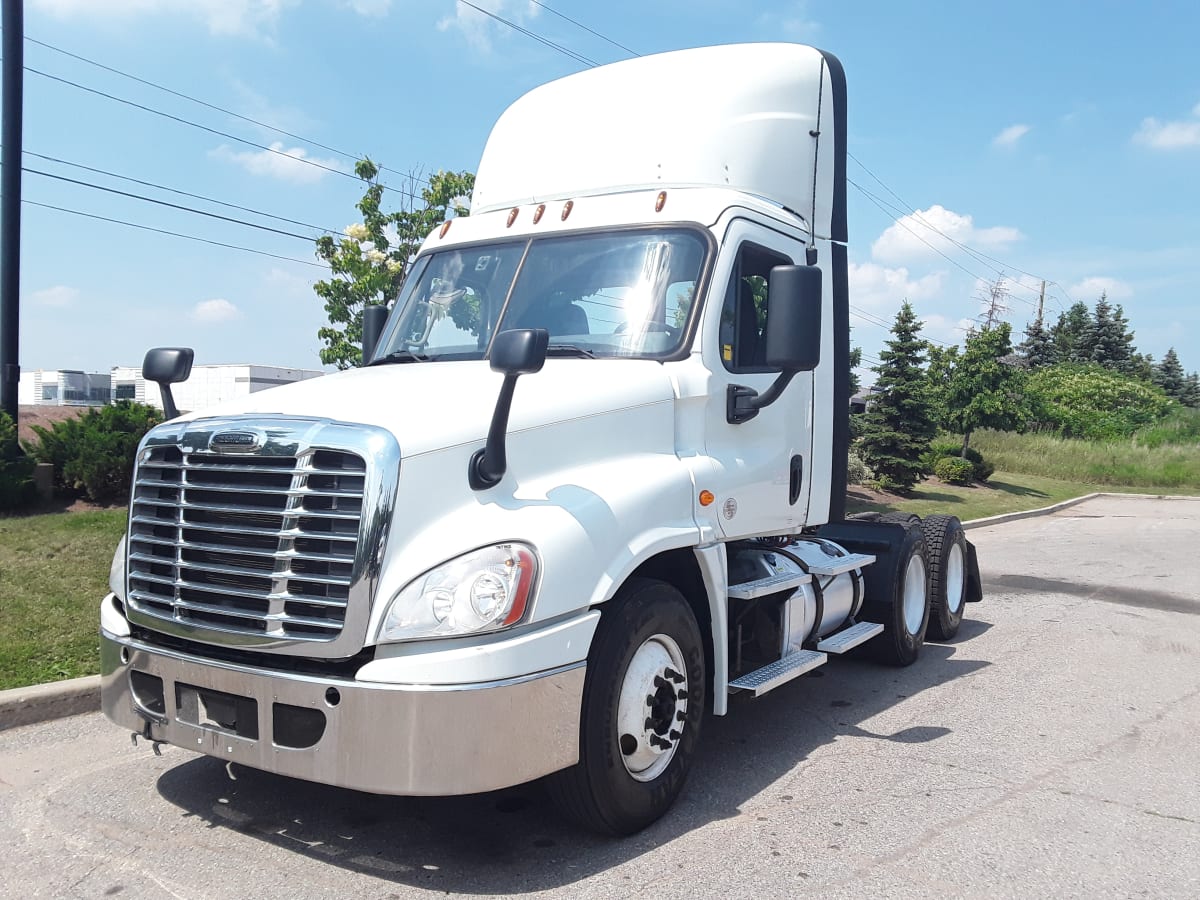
642,706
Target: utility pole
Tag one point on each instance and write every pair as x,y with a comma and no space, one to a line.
1041,301
10,205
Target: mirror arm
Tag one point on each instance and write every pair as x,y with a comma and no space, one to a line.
743,403
169,409
490,462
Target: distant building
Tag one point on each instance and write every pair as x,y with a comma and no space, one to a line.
207,385
63,387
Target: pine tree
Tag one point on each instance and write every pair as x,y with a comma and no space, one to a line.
1128,361
1037,350
1169,375
1068,331
1190,396
898,428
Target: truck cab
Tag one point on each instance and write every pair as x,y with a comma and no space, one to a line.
589,481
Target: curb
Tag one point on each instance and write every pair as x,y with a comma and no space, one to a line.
1047,510
59,699
42,702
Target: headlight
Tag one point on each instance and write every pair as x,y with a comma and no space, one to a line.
484,590
116,572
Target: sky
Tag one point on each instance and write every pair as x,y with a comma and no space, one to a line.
1055,141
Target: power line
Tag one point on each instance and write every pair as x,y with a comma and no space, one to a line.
190,209
215,107
163,187
585,28
578,57
190,237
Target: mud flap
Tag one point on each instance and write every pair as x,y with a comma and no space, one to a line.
974,582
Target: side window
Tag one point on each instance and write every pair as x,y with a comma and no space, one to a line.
744,314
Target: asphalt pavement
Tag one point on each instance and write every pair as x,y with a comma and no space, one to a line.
1049,750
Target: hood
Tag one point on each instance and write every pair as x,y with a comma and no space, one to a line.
433,405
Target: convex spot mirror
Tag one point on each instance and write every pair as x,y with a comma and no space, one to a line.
794,318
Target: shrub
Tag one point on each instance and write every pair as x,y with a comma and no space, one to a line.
954,470
944,447
1092,402
93,454
857,471
17,489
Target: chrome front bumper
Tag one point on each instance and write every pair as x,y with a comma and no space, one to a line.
380,738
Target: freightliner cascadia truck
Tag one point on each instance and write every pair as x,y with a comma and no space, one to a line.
588,483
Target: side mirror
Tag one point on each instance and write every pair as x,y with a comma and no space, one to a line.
794,318
793,338
514,353
167,366
374,317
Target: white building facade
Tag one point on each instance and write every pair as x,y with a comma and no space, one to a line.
207,385
64,387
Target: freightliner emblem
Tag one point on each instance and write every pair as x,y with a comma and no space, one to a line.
235,441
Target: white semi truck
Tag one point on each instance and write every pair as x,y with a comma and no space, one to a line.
589,481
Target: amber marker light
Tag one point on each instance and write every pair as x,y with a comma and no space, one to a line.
567,207
445,228
707,498
661,201
512,216
538,213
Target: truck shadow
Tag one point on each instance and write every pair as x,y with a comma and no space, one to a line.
514,841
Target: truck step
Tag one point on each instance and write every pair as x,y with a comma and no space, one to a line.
849,638
840,564
773,675
752,590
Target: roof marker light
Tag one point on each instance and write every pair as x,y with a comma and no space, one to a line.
537,213
445,228
661,201
567,207
512,215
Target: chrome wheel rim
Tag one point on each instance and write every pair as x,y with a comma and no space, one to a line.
652,708
956,579
914,594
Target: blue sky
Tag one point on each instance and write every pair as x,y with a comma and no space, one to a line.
1055,140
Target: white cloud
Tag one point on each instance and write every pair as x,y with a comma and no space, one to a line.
916,236
479,28
246,18
881,290
284,163
791,22
1010,136
1174,135
1090,289
58,296
212,312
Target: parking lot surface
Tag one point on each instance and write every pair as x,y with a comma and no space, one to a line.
1051,749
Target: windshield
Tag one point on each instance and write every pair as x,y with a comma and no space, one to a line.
607,294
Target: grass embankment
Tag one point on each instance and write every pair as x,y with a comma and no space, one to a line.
1160,458
53,573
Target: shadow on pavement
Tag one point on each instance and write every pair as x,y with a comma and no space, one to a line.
514,841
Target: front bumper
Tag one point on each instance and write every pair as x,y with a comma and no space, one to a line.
380,738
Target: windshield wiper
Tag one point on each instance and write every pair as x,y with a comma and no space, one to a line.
399,356
569,350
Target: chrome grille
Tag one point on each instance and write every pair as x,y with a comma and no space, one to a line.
259,547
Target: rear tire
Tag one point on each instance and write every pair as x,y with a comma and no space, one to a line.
947,547
642,706
904,610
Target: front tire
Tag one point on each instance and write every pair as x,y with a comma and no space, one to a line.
643,702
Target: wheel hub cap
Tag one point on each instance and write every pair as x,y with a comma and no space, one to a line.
652,709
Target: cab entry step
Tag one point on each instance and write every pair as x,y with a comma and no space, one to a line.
782,670
752,590
839,564
849,638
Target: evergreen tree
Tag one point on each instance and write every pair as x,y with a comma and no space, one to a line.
1142,366
1128,361
1169,375
1037,350
1190,396
984,390
1068,331
898,428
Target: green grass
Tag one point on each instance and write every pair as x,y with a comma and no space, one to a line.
53,574
1004,492
1166,457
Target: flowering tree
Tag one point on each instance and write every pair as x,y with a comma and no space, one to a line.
369,263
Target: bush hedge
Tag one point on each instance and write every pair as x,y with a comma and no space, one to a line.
943,447
93,454
954,470
17,489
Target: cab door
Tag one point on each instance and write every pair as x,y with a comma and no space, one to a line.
760,466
